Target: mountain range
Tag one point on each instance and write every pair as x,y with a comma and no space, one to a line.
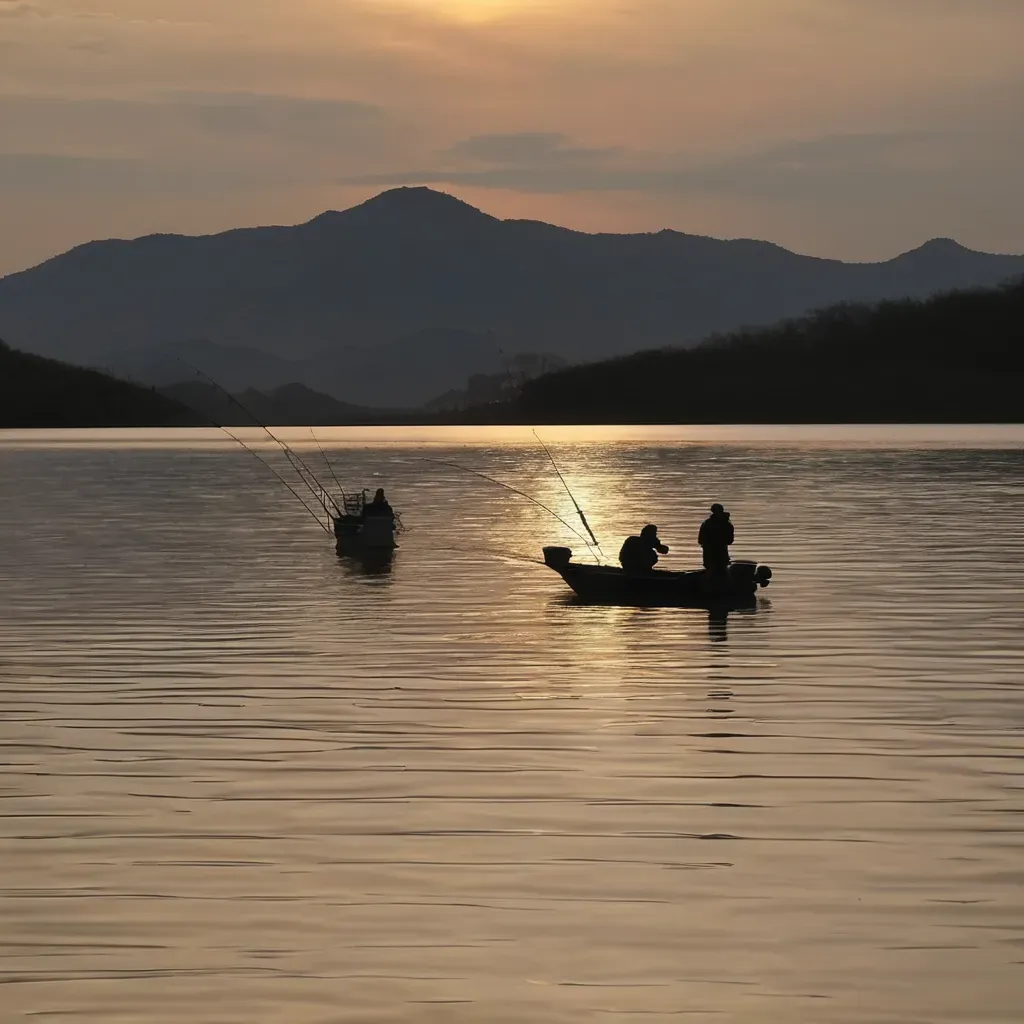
407,295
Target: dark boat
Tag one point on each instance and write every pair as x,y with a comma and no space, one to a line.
606,584
357,529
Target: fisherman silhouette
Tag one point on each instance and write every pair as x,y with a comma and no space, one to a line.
379,506
715,536
639,554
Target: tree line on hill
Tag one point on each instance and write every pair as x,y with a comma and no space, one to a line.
39,392
957,357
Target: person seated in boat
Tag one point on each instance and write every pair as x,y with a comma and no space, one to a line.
640,553
379,506
715,536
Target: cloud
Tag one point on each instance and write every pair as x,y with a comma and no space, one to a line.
91,45
287,118
526,151
185,144
45,171
92,177
515,147
840,168
21,9
215,126
875,120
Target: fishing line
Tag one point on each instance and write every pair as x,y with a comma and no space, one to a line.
494,553
296,463
259,458
256,455
514,490
583,518
329,466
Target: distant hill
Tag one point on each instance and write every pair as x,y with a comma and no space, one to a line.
234,367
957,357
38,392
414,284
288,405
485,388
405,373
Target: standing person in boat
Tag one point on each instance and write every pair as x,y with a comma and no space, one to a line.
379,506
715,536
639,554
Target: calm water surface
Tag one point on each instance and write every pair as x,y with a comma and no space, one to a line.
246,781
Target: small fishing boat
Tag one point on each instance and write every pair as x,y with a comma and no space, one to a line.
359,527
606,584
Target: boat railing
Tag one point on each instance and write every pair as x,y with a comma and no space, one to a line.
354,504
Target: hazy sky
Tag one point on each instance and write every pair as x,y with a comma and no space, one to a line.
851,128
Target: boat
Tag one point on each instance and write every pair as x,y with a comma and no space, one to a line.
606,584
357,529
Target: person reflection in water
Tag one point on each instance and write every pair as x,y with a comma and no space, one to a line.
718,625
715,536
379,506
639,554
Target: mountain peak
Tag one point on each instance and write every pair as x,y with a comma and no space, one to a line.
409,205
410,198
943,245
404,206
937,248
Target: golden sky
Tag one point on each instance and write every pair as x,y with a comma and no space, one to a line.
850,128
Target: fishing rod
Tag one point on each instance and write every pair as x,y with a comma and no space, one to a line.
514,490
256,455
329,466
583,518
296,463
259,458
514,556
319,492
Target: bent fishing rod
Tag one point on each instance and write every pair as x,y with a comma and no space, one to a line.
514,490
256,455
296,463
583,518
329,466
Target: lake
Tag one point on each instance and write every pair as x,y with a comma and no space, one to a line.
248,782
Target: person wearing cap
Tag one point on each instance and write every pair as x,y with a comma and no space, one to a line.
640,553
715,536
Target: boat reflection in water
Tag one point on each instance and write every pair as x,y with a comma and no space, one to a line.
718,618
365,534
366,561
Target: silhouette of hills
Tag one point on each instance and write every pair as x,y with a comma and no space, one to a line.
404,373
235,367
39,392
442,283
957,357
288,405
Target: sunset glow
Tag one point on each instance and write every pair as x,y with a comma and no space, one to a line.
480,11
842,129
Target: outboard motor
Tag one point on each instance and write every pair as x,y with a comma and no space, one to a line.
557,558
742,574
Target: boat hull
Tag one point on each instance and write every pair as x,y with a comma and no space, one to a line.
358,533
603,584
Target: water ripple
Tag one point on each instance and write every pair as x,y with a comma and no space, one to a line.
246,781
